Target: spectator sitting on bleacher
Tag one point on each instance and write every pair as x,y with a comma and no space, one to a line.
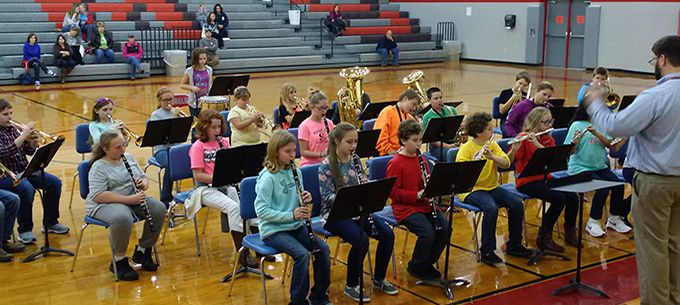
102,41
222,25
209,44
337,25
211,25
132,52
71,19
86,22
62,58
387,45
202,15
74,41
32,59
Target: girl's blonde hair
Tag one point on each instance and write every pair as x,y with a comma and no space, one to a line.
280,138
240,92
286,89
316,97
104,142
534,118
160,92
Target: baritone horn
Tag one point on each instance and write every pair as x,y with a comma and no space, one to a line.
350,96
412,80
43,137
128,134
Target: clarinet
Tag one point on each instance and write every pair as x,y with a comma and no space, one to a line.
362,179
433,208
308,222
134,187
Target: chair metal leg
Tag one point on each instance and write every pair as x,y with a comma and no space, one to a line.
198,244
476,220
286,260
231,288
337,250
403,249
80,239
205,223
370,262
524,227
394,264
73,187
155,254
170,215
264,286
113,256
160,182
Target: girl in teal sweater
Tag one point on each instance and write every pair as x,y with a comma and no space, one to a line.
281,221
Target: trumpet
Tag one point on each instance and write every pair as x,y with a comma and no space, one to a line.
127,133
43,137
180,112
265,125
525,137
480,154
301,103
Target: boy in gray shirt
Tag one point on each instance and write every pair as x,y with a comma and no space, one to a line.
209,44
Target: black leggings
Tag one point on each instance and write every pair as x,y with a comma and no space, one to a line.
37,65
558,202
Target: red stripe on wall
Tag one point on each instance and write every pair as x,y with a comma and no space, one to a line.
343,7
160,7
468,1
119,16
400,21
383,14
56,7
169,16
110,7
55,17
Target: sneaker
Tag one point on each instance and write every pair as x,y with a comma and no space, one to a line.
227,38
13,246
386,287
353,293
56,229
26,237
616,223
627,222
145,259
491,259
125,272
519,251
51,73
432,271
37,85
141,71
420,275
594,228
5,257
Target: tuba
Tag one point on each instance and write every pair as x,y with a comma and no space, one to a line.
349,97
413,82
612,100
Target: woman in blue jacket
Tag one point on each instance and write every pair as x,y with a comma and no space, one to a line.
32,59
222,25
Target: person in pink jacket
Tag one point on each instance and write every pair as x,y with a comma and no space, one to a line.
132,52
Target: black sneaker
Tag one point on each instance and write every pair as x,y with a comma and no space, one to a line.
433,272
386,287
13,246
419,274
144,258
353,293
5,257
519,251
491,259
125,272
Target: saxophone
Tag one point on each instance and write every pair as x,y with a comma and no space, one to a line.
349,97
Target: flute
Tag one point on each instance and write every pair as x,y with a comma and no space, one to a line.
433,208
308,222
524,137
134,187
362,179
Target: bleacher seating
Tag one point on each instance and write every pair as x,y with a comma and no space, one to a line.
261,38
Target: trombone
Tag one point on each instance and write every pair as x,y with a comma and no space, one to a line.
127,133
43,137
612,100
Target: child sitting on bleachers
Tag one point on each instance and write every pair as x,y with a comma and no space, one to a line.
32,59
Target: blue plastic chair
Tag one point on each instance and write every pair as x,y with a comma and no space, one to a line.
451,154
82,147
496,109
152,161
83,176
310,181
227,132
294,132
277,118
559,134
253,241
368,124
180,169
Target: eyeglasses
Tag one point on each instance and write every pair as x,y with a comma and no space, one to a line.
168,100
548,122
652,60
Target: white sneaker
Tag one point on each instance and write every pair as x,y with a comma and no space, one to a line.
594,228
51,73
616,223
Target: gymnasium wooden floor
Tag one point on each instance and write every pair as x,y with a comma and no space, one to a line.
185,278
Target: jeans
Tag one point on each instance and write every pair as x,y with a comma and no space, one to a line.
489,202
297,245
436,152
100,53
37,65
88,30
134,65
383,56
9,207
431,242
349,230
558,201
616,202
26,191
166,186
220,35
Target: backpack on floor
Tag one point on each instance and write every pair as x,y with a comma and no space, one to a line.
26,78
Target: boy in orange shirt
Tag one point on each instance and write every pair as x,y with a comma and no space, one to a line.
388,122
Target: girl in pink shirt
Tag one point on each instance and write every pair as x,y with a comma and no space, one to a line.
313,131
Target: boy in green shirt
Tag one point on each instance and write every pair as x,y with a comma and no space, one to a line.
438,110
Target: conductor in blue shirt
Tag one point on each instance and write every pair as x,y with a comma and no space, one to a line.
387,45
653,125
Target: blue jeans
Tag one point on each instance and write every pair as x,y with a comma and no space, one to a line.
100,53
438,151
9,207
431,242
37,65
616,202
166,187
349,230
297,245
383,56
134,65
489,202
88,30
26,191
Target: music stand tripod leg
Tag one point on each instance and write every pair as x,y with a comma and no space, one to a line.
244,269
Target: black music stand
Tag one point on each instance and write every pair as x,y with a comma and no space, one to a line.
166,132
556,102
367,143
626,100
225,85
441,130
581,184
40,160
299,117
546,160
562,116
449,179
427,108
231,166
372,110
361,200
